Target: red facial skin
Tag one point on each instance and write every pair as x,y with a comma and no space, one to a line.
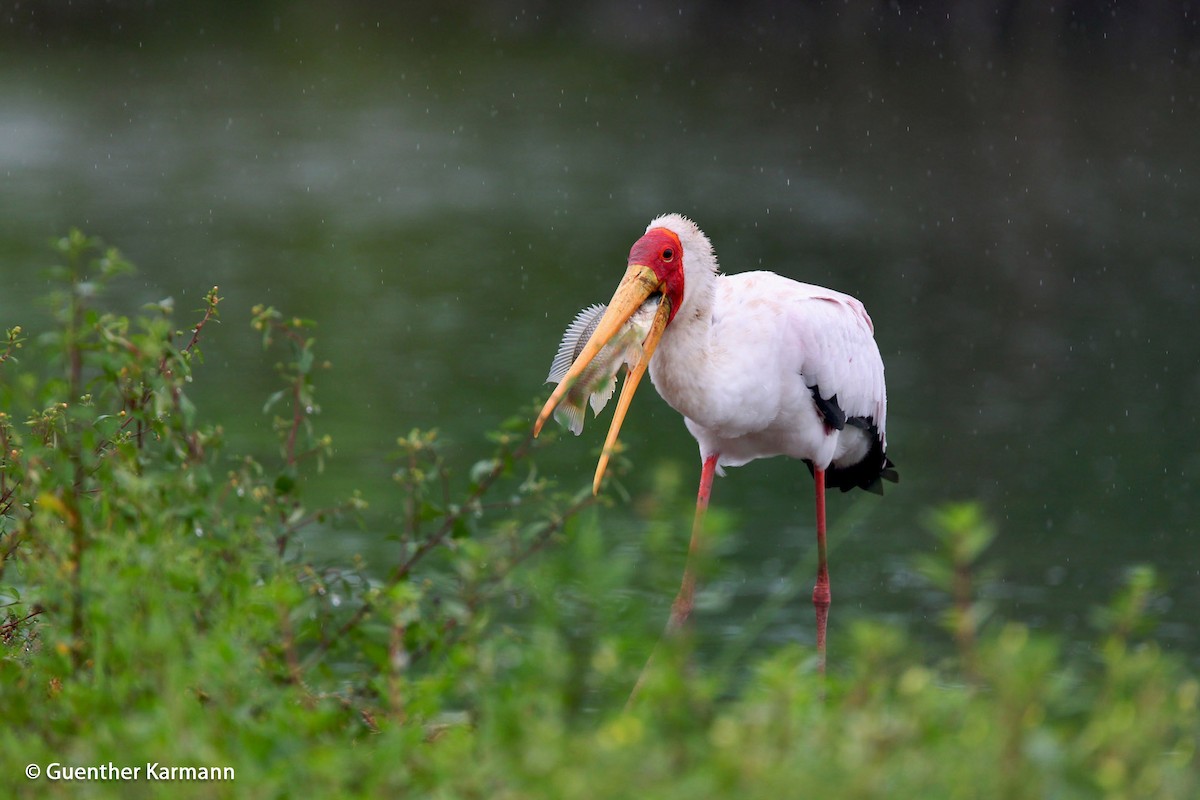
660,250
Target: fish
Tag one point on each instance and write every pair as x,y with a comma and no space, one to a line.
595,386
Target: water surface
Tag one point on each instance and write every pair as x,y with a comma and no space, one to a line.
1022,226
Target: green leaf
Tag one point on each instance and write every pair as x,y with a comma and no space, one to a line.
284,483
305,361
273,399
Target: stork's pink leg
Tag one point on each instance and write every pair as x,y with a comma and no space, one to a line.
821,596
684,601
682,607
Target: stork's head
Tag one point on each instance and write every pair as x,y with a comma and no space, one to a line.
676,255
672,260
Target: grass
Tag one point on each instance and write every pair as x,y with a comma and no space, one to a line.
157,610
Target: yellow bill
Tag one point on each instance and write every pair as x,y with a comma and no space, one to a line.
639,283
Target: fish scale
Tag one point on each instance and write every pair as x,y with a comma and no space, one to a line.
595,386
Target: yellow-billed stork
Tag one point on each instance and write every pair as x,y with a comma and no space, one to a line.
758,364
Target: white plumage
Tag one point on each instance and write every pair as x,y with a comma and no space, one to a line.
744,353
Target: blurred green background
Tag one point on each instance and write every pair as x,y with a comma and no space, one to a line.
1012,190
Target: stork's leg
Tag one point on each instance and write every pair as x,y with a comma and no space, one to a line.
684,601
821,596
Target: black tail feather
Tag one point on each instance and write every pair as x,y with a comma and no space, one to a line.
870,472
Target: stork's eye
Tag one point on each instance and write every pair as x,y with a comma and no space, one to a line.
668,254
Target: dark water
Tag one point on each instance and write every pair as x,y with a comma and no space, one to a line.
443,195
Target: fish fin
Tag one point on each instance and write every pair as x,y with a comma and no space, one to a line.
570,416
573,340
602,395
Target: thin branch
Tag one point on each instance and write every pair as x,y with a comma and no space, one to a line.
7,629
442,533
295,674
11,544
297,419
403,570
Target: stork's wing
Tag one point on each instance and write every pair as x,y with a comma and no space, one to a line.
840,361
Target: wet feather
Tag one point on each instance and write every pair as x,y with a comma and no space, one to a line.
595,386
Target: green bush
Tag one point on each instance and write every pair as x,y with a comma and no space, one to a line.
157,610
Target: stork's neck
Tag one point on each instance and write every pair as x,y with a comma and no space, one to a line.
696,311
683,359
